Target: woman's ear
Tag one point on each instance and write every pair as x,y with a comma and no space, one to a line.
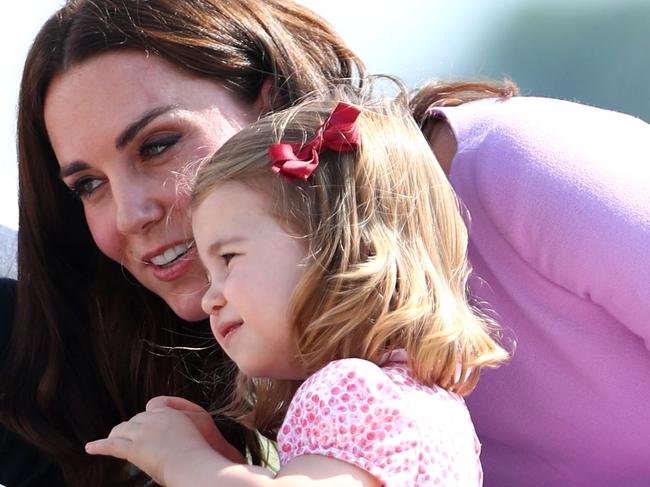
442,140
264,102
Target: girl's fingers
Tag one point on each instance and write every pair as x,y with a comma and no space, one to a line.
116,447
124,429
173,402
202,421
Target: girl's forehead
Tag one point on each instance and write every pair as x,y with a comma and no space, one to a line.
232,211
226,203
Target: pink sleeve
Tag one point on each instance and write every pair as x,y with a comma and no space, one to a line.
351,411
580,209
567,186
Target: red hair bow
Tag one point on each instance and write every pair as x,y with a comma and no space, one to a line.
339,133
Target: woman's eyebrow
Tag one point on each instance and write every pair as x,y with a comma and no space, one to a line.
129,133
72,168
123,139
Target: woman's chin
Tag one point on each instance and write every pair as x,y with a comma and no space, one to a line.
188,309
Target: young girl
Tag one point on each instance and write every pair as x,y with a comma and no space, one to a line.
336,257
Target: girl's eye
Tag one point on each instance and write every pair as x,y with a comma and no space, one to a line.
84,187
158,145
228,257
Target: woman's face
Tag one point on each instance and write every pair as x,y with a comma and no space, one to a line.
123,125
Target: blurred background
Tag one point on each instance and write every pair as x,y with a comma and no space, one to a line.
591,51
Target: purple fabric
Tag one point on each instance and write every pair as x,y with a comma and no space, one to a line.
559,198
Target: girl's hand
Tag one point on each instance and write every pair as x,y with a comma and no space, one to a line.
202,421
170,435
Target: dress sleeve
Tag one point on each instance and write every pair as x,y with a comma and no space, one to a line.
568,186
350,411
21,464
7,303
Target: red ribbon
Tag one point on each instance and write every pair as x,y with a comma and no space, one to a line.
339,133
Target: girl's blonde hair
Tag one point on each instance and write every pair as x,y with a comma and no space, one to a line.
387,265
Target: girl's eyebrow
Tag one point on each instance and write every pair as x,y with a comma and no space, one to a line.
215,246
129,133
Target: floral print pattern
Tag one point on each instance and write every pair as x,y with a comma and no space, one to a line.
383,421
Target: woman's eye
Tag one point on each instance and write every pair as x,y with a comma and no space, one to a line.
85,187
157,146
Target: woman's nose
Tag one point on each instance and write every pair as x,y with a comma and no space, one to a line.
213,299
137,204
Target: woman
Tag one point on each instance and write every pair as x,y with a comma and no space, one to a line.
83,355
116,99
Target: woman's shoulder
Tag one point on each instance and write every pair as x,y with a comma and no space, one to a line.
530,119
547,155
20,463
7,305
7,289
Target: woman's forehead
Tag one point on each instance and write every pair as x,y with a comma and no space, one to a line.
102,96
123,76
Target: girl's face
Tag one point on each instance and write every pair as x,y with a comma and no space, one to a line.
253,266
122,126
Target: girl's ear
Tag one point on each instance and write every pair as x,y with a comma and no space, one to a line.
264,102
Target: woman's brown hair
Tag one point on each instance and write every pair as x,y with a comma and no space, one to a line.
437,93
86,347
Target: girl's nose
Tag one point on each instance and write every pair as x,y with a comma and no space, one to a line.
213,299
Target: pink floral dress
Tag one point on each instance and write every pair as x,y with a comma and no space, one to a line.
383,421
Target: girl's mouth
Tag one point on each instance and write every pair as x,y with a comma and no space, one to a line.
226,329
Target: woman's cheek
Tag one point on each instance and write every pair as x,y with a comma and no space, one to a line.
109,241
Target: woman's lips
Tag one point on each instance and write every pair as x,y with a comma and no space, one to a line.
175,269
